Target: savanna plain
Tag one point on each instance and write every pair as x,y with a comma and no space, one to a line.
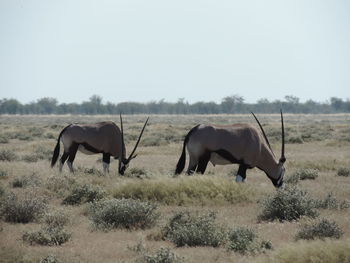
150,215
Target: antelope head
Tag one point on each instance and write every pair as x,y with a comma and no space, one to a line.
276,173
123,161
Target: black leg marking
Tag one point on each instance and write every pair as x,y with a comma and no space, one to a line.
242,170
64,157
72,152
203,162
106,158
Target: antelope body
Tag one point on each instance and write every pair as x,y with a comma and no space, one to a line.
242,144
101,137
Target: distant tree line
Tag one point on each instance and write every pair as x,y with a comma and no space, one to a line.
228,105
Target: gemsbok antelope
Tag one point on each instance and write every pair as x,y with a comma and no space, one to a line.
241,144
101,137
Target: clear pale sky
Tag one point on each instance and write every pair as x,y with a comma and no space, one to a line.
137,50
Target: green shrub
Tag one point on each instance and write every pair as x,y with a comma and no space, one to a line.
190,190
26,180
84,194
305,174
93,171
4,139
56,219
61,184
8,155
294,140
288,204
123,213
329,202
322,228
317,251
52,233
152,141
243,240
343,171
185,229
47,236
25,209
3,174
162,255
50,259
136,172
292,179
2,192
30,158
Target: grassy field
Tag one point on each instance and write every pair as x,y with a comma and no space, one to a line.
316,144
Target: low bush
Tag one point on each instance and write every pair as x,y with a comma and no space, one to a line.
4,139
26,180
52,233
243,240
292,179
322,228
8,155
343,171
136,172
30,158
50,259
306,174
27,208
93,171
47,236
56,219
288,204
185,229
162,255
61,184
327,251
329,202
190,190
294,139
84,194
3,174
123,213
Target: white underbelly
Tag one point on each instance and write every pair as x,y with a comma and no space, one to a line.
82,149
217,159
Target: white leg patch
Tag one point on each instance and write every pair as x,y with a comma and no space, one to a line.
239,179
105,167
60,167
70,165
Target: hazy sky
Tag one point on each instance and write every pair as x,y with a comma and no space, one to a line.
137,50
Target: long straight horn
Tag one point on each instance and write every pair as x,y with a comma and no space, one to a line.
263,132
283,158
122,130
138,140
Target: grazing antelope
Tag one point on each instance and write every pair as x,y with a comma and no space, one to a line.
101,137
239,143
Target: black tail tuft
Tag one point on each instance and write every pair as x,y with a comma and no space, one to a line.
181,163
56,151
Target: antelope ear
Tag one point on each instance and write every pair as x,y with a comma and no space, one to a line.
134,156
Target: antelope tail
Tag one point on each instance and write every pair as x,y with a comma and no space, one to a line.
56,151
181,163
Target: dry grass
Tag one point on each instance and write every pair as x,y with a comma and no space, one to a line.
326,149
